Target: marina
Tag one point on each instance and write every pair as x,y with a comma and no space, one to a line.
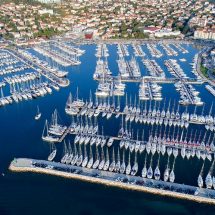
143,112
169,51
153,68
60,54
138,51
131,118
187,143
38,77
107,107
129,71
154,51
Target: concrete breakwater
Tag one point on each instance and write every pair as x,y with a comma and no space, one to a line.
135,183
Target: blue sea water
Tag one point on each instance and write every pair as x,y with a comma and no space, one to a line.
41,194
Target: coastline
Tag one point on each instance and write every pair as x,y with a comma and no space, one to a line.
116,184
206,79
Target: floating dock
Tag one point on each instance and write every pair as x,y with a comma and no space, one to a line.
210,89
152,79
136,183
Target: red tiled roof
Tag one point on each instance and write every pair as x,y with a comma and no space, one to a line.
151,28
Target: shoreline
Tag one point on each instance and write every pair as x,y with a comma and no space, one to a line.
207,79
120,40
116,184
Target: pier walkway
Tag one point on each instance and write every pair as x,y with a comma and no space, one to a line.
152,79
188,93
150,91
64,134
123,181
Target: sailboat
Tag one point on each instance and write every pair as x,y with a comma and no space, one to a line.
90,163
144,171
142,144
209,180
200,180
38,115
97,161
75,158
65,153
128,168
53,153
70,156
123,166
102,163
107,162
80,158
172,173
213,180
135,166
166,172
48,137
117,167
85,161
112,165
157,173
150,171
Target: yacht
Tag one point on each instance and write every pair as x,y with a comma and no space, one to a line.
38,115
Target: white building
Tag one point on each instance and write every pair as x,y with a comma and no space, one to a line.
167,33
46,11
49,1
204,34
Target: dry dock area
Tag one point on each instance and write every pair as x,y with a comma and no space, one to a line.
137,183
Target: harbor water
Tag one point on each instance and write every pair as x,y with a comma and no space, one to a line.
28,193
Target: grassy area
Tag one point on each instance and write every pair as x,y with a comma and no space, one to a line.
48,32
204,71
